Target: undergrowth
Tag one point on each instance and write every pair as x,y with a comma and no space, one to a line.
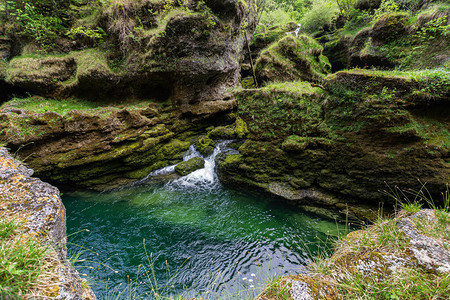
22,261
385,239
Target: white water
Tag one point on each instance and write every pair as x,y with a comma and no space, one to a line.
204,179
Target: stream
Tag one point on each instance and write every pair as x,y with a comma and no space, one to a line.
189,236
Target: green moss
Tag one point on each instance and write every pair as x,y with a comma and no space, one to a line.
294,143
240,129
292,58
42,105
3,67
90,61
172,150
233,159
221,132
189,166
205,145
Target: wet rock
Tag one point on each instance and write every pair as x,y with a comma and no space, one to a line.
205,145
189,166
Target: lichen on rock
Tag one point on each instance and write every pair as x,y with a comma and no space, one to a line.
38,205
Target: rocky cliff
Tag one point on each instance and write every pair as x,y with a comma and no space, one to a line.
187,53
38,207
156,78
334,148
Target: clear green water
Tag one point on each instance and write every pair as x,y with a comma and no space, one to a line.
214,236
218,237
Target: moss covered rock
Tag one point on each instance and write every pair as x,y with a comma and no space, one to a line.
292,58
205,145
189,166
338,149
396,39
184,53
84,144
237,131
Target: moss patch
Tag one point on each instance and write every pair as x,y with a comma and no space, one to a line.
292,58
189,166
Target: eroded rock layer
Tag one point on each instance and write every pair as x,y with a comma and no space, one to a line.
188,53
366,133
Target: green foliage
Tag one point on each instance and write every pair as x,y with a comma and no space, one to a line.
321,13
276,16
32,23
435,28
21,260
96,34
346,7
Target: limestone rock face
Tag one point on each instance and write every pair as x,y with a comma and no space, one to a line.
339,150
187,53
39,205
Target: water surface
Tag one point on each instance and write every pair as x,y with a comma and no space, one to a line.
212,239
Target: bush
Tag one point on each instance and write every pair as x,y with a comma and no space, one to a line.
322,13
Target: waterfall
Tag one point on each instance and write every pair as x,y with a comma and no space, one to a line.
203,179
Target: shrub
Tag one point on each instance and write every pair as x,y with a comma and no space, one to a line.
321,13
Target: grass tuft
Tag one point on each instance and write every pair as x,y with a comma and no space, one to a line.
22,261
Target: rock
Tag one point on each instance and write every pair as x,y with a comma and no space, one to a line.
238,131
429,252
388,252
292,58
186,53
391,41
205,145
42,76
240,128
189,166
99,148
40,206
389,27
222,133
303,145
262,38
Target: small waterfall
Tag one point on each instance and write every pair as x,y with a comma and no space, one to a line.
205,178
192,152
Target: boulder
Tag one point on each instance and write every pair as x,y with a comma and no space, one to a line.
205,145
189,166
